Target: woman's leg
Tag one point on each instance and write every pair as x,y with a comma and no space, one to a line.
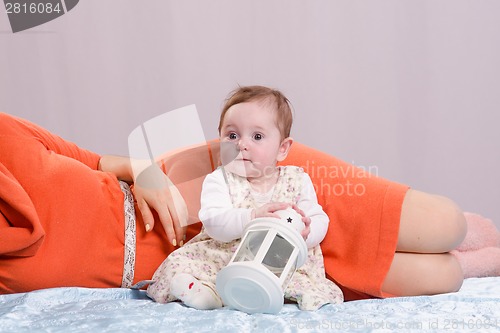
431,226
413,274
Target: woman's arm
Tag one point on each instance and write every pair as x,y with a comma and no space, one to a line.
118,165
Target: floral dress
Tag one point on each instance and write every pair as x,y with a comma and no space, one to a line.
203,257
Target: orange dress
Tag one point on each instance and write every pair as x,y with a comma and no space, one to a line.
364,212
62,221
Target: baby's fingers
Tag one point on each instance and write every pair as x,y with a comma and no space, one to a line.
274,207
298,210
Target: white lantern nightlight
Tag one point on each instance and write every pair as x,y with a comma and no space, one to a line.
259,271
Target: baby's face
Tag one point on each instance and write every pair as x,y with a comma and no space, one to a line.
250,140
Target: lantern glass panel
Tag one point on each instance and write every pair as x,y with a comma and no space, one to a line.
278,254
250,246
289,275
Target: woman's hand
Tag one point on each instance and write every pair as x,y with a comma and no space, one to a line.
154,192
306,220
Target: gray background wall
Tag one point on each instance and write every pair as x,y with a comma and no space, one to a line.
410,89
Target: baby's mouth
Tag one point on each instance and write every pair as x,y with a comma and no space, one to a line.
242,159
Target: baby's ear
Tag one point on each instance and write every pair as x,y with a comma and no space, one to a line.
284,149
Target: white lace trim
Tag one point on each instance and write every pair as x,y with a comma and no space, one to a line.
130,236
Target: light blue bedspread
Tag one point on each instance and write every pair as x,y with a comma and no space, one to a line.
475,308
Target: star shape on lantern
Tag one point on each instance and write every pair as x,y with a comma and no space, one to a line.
289,220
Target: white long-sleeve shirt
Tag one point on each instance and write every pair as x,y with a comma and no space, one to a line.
225,223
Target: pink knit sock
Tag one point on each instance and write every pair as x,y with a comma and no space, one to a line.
479,263
481,233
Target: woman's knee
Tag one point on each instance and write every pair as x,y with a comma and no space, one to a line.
453,222
452,273
445,274
430,224
413,274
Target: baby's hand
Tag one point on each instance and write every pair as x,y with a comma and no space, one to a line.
306,220
268,210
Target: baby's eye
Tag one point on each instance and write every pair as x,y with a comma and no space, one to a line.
257,136
232,136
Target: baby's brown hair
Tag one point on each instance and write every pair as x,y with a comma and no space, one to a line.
282,107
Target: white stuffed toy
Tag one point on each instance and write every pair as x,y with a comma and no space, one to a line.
194,293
